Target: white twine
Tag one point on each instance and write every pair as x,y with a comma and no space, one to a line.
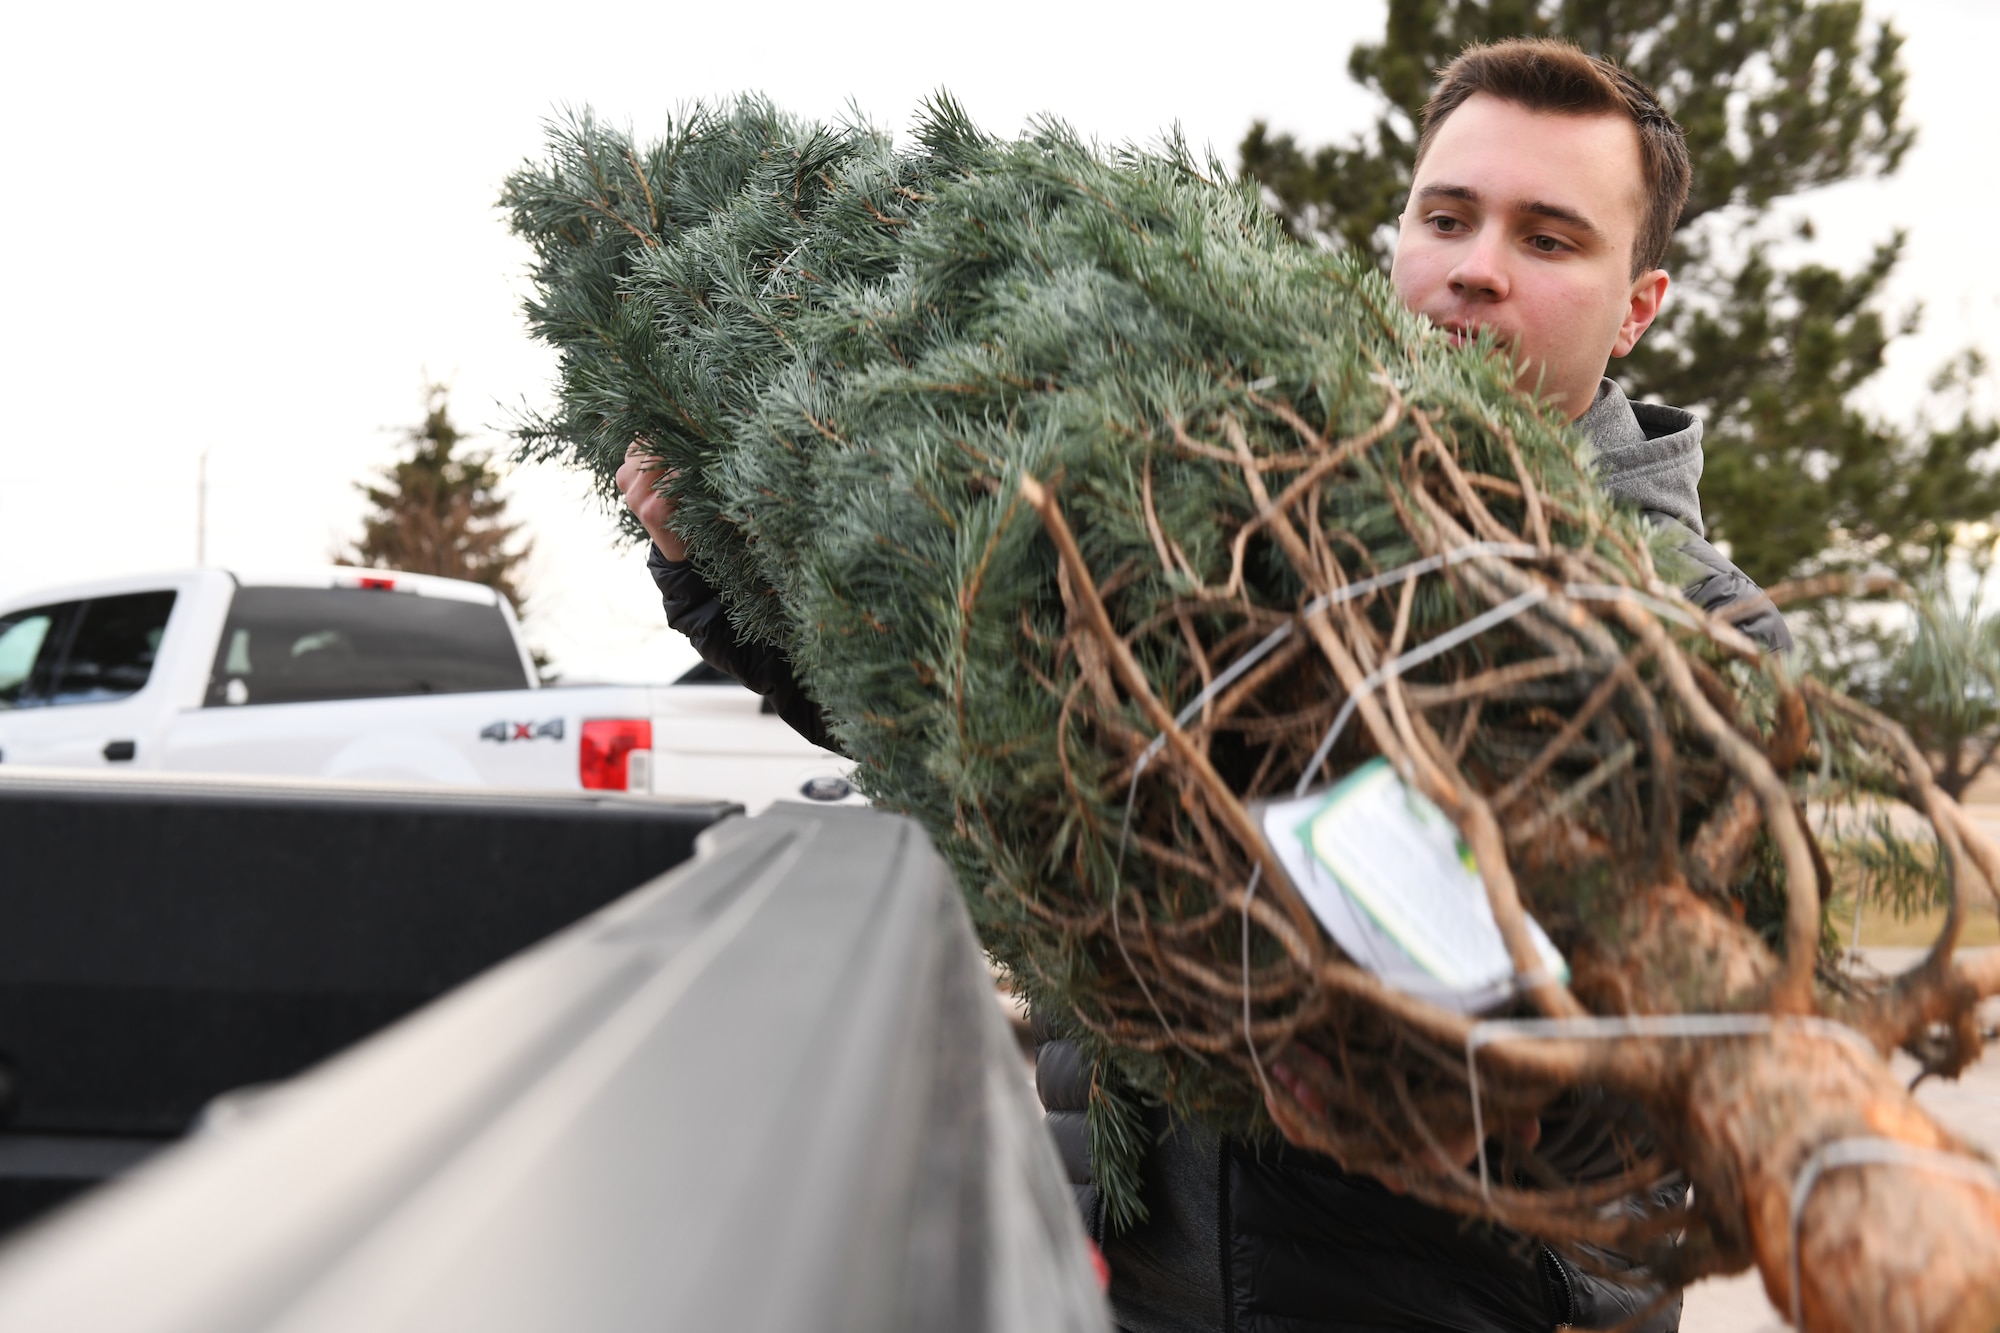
1256,1061
1870,1151
1264,647
1270,642
1422,653
1587,592
1646,1026
780,270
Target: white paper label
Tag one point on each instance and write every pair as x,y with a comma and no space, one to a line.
1387,874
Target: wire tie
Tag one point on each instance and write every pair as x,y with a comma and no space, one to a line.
1870,1151
1236,670
1640,1026
1422,653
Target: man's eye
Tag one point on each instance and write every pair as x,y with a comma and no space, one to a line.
1447,226
1547,245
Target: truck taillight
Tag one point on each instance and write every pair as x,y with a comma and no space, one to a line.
604,759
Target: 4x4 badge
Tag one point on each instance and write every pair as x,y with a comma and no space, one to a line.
522,731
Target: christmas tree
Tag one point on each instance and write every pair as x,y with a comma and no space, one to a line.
1096,512
440,511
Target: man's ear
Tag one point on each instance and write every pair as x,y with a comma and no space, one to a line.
1649,293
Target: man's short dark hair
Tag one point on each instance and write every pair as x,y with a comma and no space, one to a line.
1546,75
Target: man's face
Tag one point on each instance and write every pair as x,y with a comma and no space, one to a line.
1524,223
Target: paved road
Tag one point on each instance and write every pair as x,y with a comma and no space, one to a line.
1971,1107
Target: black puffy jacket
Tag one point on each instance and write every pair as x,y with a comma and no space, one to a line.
694,610
1272,1239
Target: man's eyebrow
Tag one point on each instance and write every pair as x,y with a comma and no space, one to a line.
1558,213
1540,208
1462,192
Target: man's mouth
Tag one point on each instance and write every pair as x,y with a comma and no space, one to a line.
1460,333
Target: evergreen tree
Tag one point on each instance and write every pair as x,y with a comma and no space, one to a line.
440,511
1940,678
1778,97
1093,509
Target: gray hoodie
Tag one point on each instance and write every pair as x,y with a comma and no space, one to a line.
1649,457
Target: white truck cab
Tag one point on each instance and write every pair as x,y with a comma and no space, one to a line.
363,674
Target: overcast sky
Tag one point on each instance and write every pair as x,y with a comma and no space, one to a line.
255,230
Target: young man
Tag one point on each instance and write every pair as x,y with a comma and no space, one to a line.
1546,190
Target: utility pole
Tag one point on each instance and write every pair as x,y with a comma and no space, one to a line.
201,510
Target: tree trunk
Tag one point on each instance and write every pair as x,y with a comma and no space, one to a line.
1882,1248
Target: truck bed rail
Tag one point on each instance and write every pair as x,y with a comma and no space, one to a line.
768,1091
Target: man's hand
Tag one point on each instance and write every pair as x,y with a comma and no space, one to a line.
637,482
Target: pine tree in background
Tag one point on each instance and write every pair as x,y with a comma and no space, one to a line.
1941,680
440,511
1778,97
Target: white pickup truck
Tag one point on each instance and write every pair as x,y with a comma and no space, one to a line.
368,675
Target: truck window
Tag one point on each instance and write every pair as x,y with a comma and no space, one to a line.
111,648
303,645
30,641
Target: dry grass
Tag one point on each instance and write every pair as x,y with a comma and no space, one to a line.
1882,928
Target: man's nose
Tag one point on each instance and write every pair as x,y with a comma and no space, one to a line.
1481,271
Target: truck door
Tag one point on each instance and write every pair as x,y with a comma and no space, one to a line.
71,674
